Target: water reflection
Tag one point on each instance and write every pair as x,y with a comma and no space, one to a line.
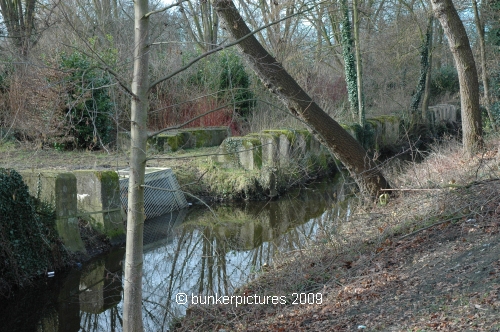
192,252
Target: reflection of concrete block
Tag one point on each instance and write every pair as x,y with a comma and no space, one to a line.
59,190
98,197
92,288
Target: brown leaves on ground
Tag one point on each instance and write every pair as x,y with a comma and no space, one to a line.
444,277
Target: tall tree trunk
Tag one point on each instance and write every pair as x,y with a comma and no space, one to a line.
20,22
278,81
359,65
467,74
424,69
427,89
132,304
349,64
484,70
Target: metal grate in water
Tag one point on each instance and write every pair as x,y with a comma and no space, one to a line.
161,195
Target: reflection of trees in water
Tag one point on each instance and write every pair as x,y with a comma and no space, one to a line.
99,294
209,257
205,256
109,320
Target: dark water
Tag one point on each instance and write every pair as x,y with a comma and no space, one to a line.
190,252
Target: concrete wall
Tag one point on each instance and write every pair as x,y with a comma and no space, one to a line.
59,190
90,195
282,156
442,113
95,196
172,141
98,202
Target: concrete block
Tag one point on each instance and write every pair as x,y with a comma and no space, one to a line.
98,202
171,141
59,190
245,152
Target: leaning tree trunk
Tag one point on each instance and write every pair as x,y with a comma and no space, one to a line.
278,81
467,74
132,302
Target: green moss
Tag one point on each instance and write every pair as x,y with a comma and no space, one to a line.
389,118
201,137
174,141
290,135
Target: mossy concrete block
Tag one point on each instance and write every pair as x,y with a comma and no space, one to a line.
245,152
173,140
167,142
205,137
443,113
352,129
390,130
286,139
59,190
269,147
386,131
98,202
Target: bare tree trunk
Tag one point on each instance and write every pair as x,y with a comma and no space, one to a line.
20,23
132,304
484,71
424,70
427,89
467,73
359,65
349,65
278,81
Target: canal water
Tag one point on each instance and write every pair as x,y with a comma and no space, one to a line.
197,251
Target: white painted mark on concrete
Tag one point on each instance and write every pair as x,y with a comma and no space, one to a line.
81,197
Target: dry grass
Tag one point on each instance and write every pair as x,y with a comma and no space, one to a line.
388,267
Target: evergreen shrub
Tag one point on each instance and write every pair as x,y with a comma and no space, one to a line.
29,244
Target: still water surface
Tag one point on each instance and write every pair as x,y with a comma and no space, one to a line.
190,252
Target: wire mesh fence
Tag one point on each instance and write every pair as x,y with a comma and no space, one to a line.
162,192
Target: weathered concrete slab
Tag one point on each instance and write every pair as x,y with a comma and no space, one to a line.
172,141
386,130
59,190
245,152
443,113
98,202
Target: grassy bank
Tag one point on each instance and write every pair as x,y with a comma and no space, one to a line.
428,260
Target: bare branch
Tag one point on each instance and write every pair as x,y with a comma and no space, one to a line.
220,48
195,118
164,9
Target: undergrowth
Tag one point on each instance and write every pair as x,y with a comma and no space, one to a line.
446,188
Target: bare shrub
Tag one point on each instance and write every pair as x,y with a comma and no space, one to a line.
33,104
